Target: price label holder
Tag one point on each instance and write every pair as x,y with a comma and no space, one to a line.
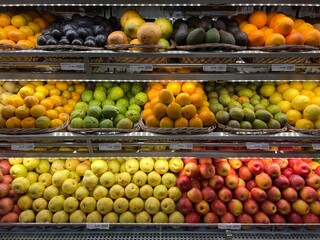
283,67
103,226
72,66
181,146
229,226
140,68
110,146
22,146
257,146
215,68
316,146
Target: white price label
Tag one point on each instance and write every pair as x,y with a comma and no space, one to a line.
141,68
316,146
283,67
184,146
259,146
231,226
98,226
72,66
22,146
110,146
215,67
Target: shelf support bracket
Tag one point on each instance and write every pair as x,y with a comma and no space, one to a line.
228,235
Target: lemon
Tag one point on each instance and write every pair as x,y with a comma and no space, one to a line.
290,93
166,27
309,85
315,100
308,93
285,106
282,87
317,91
300,102
267,90
293,116
311,112
275,98
304,124
296,85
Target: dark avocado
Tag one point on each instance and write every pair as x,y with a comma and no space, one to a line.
77,41
42,40
51,41
241,38
196,36
97,29
219,25
71,35
100,40
205,23
181,34
56,34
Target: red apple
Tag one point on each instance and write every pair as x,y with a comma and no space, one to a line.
263,180
195,183
287,172
235,163
273,169
244,218
219,160
211,217
1,176
5,167
313,180
185,205
255,166
294,217
317,171
231,181
15,196
223,168
192,217
194,195
6,205
16,209
241,193
251,184
312,219
251,206
283,207
268,207
258,194
266,161
218,207
283,162
235,207
302,169
4,190
207,170
225,194
277,218
227,218
10,217
315,207
187,160
261,217
7,179
244,173
308,194
204,183
208,194
296,182
281,182
274,194
205,160
184,183
242,183
301,207
216,182
202,207
289,194
191,170
292,162
232,171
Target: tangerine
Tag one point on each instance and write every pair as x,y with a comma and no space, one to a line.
7,111
197,99
160,110
196,122
183,99
15,100
63,116
54,123
22,112
283,26
189,87
174,110
152,121
189,111
28,122
181,122
166,96
258,18
38,111
295,38
174,87
207,118
13,122
146,113
52,114
256,38
166,122
275,39
47,103
5,20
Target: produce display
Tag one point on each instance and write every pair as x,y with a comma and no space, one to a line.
109,105
37,104
177,105
23,28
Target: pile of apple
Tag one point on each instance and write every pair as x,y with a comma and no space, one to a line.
250,190
96,190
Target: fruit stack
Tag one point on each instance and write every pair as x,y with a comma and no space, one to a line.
109,105
92,190
249,190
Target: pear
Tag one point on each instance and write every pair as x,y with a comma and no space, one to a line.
20,185
70,204
111,217
89,180
50,192
39,204
107,179
36,190
71,164
31,163
114,166
99,167
45,178
44,216
56,203
104,205
82,167
88,205
77,217
99,192
74,175
59,177
27,216
32,177
69,186
56,165
60,217
94,217
81,193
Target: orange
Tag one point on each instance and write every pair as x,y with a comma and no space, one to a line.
57,100
297,23
19,21
166,122
47,103
189,111
283,26
54,123
62,86
147,105
72,102
25,43
3,34
17,35
27,30
189,87
312,37
5,20
28,122
41,22
183,99
39,95
68,108
275,18
242,24
181,122
258,18
256,38
64,101
197,99
66,95
50,86
174,111
7,111
54,91
15,100
22,112
42,89
275,39
204,108
34,27
27,16
152,121
152,93
166,96
26,91
240,18
49,17
64,116
207,118
37,111
249,28
30,85
304,27
52,114
153,102
30,101
75,96
13,122
7,42
295,38
270,16
9,28
32,39
282,87
195,122
59,109
79,88
157,86
146,113
174,87
160,110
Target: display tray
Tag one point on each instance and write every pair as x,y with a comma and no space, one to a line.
305,131
6,47
136,128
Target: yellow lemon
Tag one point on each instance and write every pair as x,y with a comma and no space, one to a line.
293,116
304,124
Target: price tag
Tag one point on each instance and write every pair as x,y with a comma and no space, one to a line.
316,146
215,68
141,68
283,67
184,146
259,146
231,226
97,226
72,66
110,146
22,146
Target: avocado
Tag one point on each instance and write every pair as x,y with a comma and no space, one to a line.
232,23
51,41
212,36
90,43
192,21
115,23
42,40
205,23
226,37
82,32
71,35
258,124
263,115
241,38
224,19
90,38
100,40
181,34
97,29
64,41
77,41
177,23
219,25
233,29
56,34
66,28
233,124
196,36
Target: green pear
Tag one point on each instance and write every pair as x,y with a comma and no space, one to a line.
25,202
77,217
36,190
32,177
69,186
44,216
59,177
111,217
39,204
143,217
114,166
27,216
70,204
81,193
99,192
107,179
56,165
71,164
74,175
56,203
60,217
94,217
104,205
44,166
50,192
88,205
20,185
45,178
89,180
31,163
82,167
99,167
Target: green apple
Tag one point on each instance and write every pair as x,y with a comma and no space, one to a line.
160,192
168,206
94,217
107,179
44,166
32,177
50,191
27,216
44,216
160,217
143,217
104,205
77,217
25,202
99,167
169,180
56,203
152,205
99,192
154,179
111,217
131,190
31,163
71,164
88,204
114,166
146,164
45,178
81,193
161,166
136,205
70,204
120,205
89,180
174,193
124,178
39,204
116,191
176,217
140,178
132,165
176,165
57,165
146,191
69,186
20,185
18,170
60,217
127,217
59,177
